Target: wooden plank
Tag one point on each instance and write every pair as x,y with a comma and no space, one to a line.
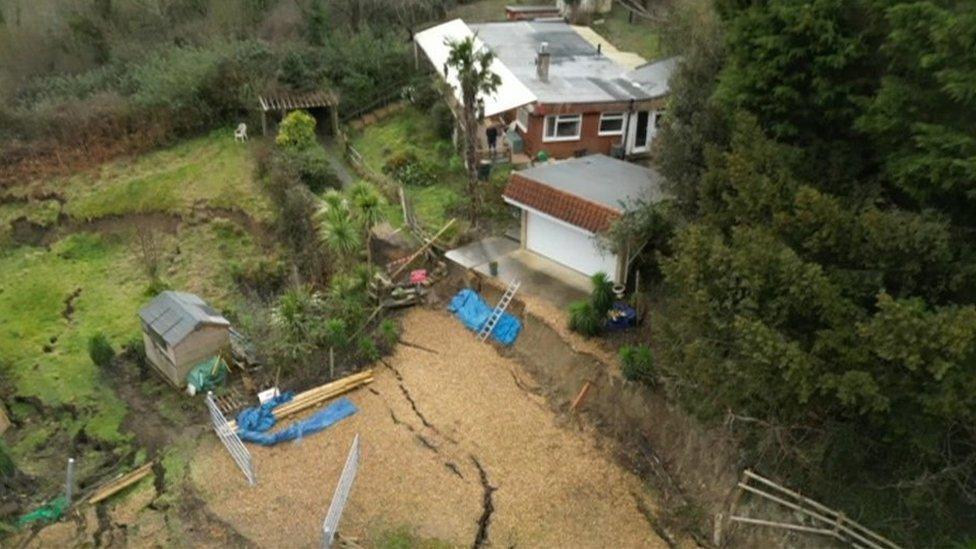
835,516
317,395
785,525
422,249
115,486
581,396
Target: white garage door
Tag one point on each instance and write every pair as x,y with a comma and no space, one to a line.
568,246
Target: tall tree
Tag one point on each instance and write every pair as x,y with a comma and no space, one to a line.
473,67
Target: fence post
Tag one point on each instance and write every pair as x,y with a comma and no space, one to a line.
69,481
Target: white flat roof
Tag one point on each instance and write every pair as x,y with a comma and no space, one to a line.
512,93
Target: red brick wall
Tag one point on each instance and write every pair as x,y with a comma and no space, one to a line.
589,133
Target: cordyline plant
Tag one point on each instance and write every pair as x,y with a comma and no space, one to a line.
473,67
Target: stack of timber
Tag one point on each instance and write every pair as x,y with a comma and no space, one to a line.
318,395
120,483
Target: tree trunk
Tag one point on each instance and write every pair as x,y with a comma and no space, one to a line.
471,152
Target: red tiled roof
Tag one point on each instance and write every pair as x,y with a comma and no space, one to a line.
562,205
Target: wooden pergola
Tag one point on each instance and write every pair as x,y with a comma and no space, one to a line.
291,101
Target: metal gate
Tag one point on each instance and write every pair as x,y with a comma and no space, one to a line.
331,523
231,441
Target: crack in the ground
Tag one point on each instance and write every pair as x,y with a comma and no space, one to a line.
399,423
69,304
427,444
454,469
418,346
392,369
372,390
406,395
487,507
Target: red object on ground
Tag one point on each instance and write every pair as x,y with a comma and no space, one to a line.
418,277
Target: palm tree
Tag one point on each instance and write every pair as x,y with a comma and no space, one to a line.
339,233
473,66
368,203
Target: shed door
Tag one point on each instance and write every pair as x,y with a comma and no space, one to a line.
567,246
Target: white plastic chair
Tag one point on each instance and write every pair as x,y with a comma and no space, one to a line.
240,134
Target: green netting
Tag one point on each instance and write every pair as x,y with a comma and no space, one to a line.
49,512
207,375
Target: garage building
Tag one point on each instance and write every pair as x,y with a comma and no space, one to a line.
566,207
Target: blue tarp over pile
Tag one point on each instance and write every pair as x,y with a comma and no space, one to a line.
257,422
471,308
261,419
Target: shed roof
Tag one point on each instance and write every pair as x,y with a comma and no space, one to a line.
512,93
292,101
577,72
589,192
175,315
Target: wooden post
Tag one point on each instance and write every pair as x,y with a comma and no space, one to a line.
581,396
331,363
334,118
69,481
264,122
422,249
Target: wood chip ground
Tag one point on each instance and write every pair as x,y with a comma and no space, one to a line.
423,422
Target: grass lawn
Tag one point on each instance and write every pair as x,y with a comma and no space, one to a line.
211,169
414,131
43,350
640,37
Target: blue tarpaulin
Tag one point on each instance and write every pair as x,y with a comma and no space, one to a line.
331,414
473,311
261,418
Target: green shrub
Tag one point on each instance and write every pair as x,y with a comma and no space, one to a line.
443,120
100,350
311,166
296,131
389,332
260,274
602,296
157,286
368,349
583,319
406,168
7,467
637,363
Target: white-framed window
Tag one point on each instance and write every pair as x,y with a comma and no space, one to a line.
563,127
611,123
658,119
522,118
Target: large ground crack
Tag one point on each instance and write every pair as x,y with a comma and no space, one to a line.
487,507
69,304
413,405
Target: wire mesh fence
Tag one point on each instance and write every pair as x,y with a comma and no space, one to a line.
231,441
331,523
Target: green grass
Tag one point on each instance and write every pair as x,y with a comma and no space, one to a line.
404,538
34,286
413,131
211,169
640,37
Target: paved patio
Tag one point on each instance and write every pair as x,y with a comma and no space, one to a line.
540,276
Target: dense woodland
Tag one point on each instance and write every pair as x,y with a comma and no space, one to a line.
818,264
820,261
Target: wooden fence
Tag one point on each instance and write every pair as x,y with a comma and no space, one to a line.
813,517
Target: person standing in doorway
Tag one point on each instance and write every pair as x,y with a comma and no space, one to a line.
491,133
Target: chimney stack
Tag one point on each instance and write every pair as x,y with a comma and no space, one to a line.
542,62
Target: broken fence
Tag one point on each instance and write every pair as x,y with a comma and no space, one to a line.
231,441
331,523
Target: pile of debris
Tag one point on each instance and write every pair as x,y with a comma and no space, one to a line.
397,287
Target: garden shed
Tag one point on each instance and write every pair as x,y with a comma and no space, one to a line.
180,330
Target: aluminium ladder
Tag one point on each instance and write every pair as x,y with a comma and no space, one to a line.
496,313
